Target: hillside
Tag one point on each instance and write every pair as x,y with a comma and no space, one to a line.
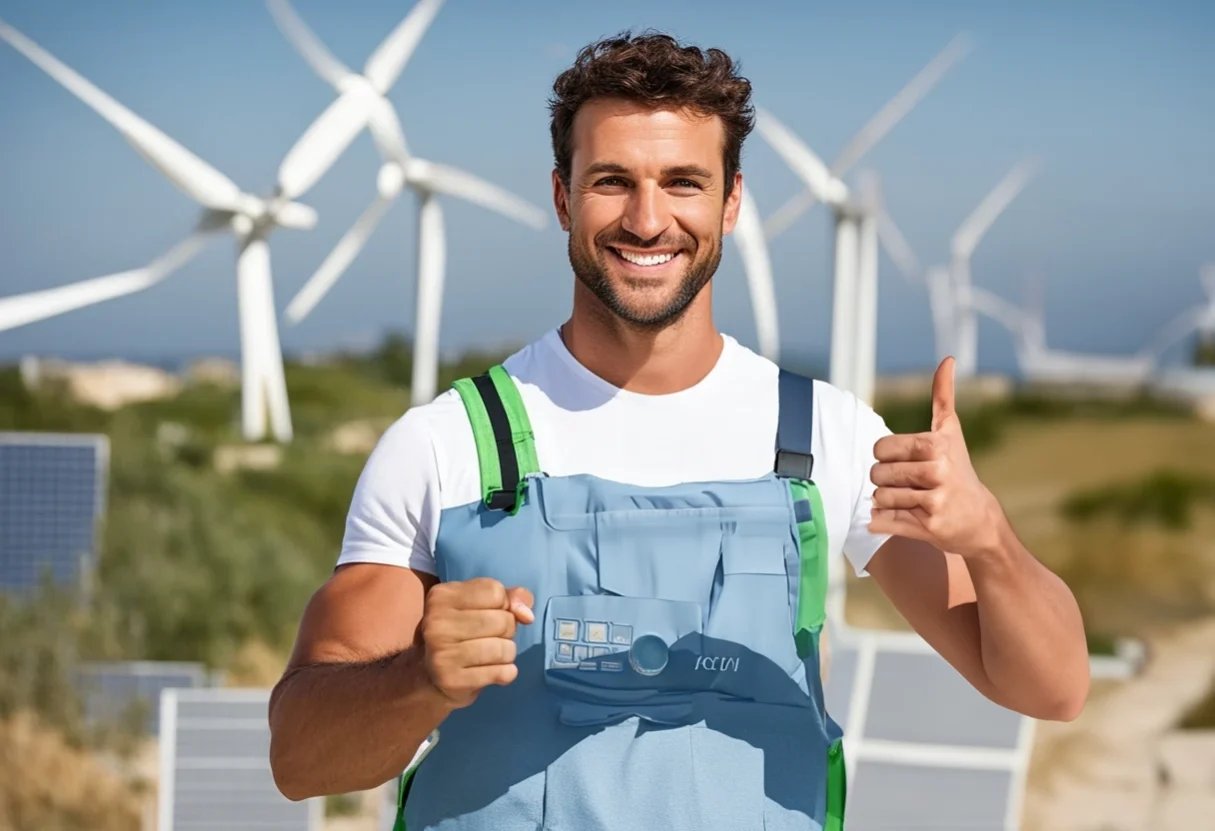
211,547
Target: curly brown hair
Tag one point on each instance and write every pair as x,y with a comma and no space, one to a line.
653,69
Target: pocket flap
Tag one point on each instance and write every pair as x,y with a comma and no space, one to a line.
752,555
658,554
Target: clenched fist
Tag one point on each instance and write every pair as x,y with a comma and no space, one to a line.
467,636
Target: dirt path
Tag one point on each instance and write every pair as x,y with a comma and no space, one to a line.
1116,766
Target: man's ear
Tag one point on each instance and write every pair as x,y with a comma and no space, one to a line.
733,202
561,203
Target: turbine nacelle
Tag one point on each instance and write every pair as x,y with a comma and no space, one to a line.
390,180
265,215
294,215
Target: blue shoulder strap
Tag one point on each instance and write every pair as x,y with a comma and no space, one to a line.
795,427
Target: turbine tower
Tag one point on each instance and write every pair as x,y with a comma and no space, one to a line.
854,296
361,102
250,218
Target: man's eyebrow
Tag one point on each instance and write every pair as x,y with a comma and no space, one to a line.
675,170
687,170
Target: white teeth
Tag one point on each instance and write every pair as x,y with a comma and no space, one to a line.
646,259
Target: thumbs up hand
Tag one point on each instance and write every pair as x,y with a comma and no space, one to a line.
927,488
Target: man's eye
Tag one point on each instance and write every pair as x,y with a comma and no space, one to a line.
611,182
685,183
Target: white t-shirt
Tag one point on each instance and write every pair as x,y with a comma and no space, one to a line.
721,429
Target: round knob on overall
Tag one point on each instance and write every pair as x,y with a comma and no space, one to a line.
649,655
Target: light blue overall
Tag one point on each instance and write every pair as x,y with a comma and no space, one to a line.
671,679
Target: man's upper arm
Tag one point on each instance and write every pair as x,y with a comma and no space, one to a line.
394,513
363,611
371,605
933,591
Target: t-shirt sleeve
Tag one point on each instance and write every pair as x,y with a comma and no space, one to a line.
394,515
861,544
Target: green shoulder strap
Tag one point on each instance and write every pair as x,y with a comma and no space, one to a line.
812,545
506,446
795,464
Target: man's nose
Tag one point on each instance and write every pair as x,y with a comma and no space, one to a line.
646,216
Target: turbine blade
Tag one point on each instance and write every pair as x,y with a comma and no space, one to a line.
784,216
386,62
452,182
1001,196
902,103
306,42
387,133
808,166
753,248
339,259
324,140
190,174
1174,331
998,309
29,308
896,247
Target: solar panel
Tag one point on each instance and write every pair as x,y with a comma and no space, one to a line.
114,691
215,765
52,493
923,748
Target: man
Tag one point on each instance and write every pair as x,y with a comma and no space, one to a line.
599,643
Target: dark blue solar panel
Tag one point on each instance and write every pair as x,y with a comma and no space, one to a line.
115,692
51,496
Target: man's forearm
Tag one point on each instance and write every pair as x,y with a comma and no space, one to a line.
1032,635
337,728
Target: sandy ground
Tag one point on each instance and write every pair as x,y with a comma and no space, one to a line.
1122,765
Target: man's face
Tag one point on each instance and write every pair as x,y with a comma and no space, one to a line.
646,207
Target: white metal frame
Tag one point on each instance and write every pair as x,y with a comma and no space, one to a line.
867,644
169,722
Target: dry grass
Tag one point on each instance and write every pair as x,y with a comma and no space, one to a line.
1128,580
49,786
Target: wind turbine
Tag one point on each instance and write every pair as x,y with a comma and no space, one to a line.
250,218
874,131
952,297
965,240
1040,363
855,288
854,296
361,103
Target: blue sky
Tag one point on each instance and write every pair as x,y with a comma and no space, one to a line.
1116,98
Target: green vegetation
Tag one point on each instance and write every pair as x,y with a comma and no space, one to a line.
1204,352
195,563
983,424
1164,497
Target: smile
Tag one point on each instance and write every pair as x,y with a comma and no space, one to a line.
645,260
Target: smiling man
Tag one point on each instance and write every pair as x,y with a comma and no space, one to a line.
586,589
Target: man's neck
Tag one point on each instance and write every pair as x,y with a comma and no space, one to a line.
651,362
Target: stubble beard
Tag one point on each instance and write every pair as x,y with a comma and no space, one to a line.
591,269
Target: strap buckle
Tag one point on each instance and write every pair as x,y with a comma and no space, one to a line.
793,465
509,501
